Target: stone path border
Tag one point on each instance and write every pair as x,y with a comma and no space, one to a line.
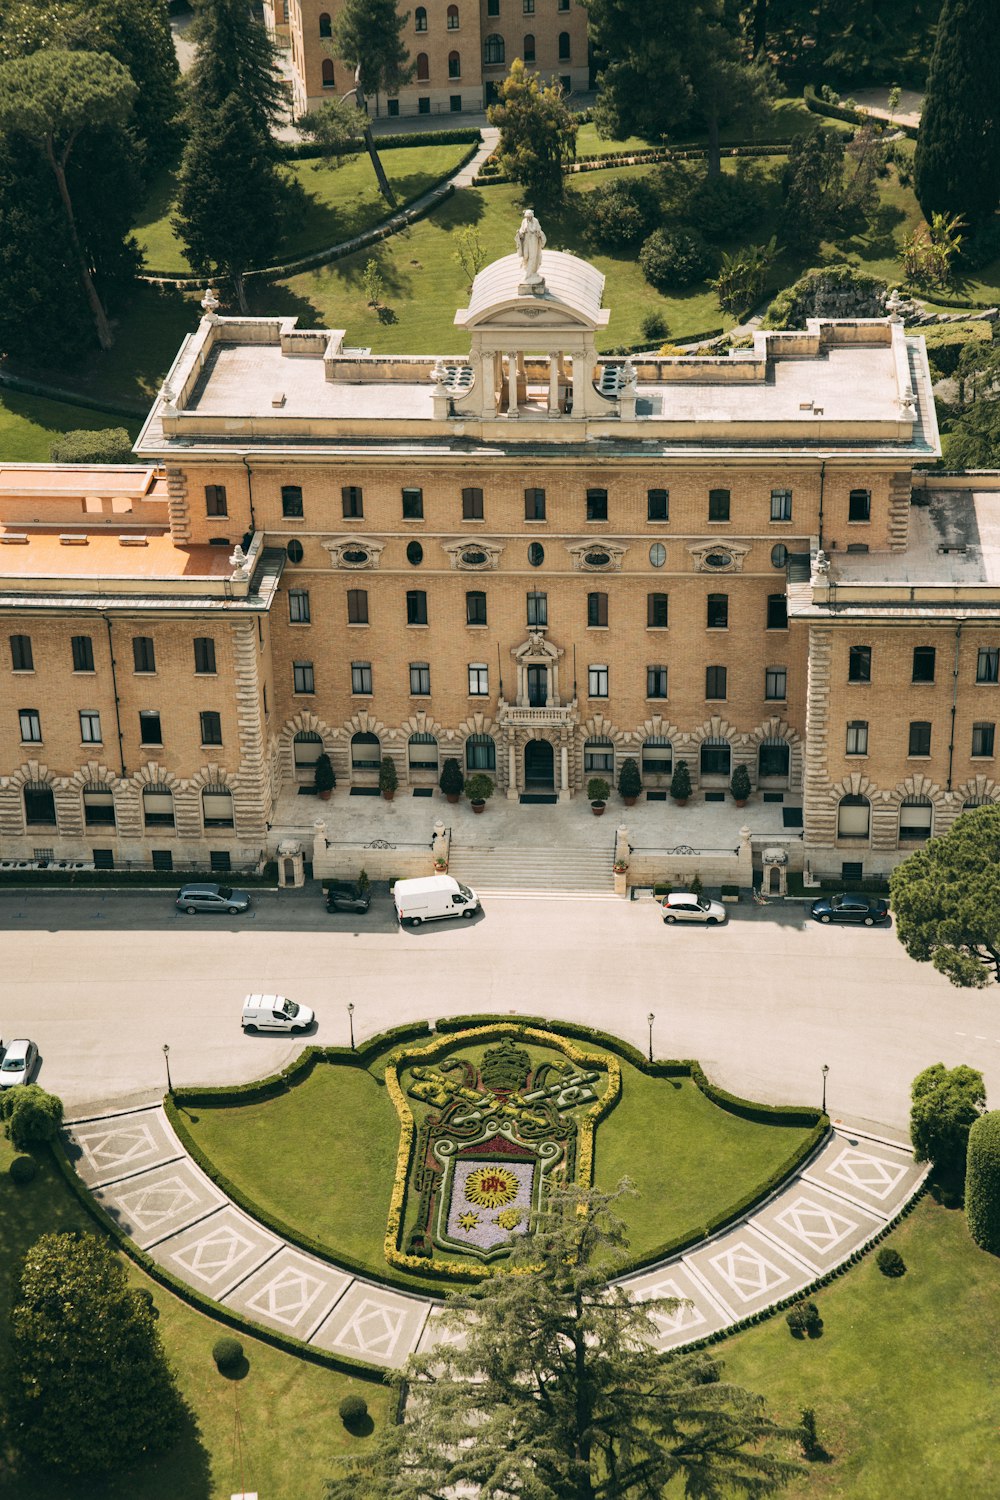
843,1198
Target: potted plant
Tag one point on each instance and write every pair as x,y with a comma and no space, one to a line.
440,865
326,779
740,786
621,868
451,781
388,781
680,783
598,791
629,782
478,788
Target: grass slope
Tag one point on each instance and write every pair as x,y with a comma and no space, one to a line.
30,424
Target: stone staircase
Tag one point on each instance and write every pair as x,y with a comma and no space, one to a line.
509,869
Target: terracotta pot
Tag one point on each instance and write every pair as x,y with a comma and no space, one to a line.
478,807
629,801
680,802
597,808
741,802
388,796
452,797
323,796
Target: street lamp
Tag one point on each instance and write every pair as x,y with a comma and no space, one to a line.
651,1018
166,1059
825,1070
350,1017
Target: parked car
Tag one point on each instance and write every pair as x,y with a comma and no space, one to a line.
344,895
684,906
206,897
851,908
275,1013
18,1063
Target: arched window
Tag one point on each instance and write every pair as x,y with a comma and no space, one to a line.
773,760
916,816
420,18
716,756
564,46
422,752
480,753
158,806
598,755
977,802
528,47
454,65
494,50
325,28
217,806
453,18
423,67
366,752
39,804
98,806
853,818
327,73
657,756
307,748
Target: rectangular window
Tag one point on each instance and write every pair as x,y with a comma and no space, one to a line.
657,505
781,505
420,678
982,739
656,682
479,680
859,668
597,682
538,608
413,505
90,727
204,655
528,7
104,859
492,7
776,683
597,505
715,682
163,859
291,500
298,606
475,607
718,612
357,606
859,505
211,727
777,612
454,100
361,677
657,611
423,104
150,729
353,501
472,504
21,657
534,505
219,861
31,726
83,653
597,609
920,738
923,663
143,654
303,679
988,664
857,737
718,505
98,808
215,500
416,607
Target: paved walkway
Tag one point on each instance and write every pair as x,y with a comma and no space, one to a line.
876,102
140,1174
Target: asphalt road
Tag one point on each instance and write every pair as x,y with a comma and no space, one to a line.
102,979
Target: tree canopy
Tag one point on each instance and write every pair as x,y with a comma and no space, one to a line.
537,133
368,36
956,169
946,900
235,55
946,1103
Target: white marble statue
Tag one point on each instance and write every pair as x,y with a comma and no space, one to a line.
530,242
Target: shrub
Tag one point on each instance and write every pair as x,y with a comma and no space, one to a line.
803,1319
675,258
353,1409
227,1353
629,779
31,1114
695,886
890,1262
479,787
388,780
721,207
680,782
743,275
809,1439
598,790
451,781
654,327
325,778
946,1102
621,213
22,1169
111,445
982,1182
740,784
946,342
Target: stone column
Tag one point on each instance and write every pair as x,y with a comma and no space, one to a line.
512,384
441,844
622,852
745,857
512,792
554,363
564,791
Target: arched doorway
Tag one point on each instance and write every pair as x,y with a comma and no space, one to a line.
539,766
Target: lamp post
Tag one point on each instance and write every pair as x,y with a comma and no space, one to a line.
350,1018
650,1019
166,1059
825,1069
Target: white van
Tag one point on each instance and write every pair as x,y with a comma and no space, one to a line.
275,1013
432,897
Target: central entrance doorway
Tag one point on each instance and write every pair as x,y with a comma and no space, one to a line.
539,766
538,688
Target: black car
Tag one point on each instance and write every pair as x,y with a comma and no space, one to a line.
851,908
342,895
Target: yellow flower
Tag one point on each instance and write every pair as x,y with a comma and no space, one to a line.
491,1187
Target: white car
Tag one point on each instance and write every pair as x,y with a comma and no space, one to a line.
275,1013
684,906
18,1063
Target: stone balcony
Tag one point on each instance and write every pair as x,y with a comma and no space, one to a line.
550,713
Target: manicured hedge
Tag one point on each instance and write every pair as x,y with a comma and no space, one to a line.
852,116
306,150
155,879
982,1182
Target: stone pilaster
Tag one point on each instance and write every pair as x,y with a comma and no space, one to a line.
900,486
819,811
177,505
251,788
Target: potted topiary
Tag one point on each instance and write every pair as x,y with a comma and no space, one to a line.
452,782
598,791
478,789
680,783
325,780
388,781
629,782
740,786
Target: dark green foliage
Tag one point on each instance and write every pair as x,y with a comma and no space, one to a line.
812,184
812,1448
228,1354
675,258
598,790
973,440
137,33
654,327
982,1182
353,1410
957,162
537,133
739,785
946,1103
368,35
830,292
32,1115
22,1169
629,778
388,778
803,1318
479,787
92,1391
335,129
946,898
890,1262
235,56
621,213
452,781
680,782
947,343
724,206
742,277
324,777
108,445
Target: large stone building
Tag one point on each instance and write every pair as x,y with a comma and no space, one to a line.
524,555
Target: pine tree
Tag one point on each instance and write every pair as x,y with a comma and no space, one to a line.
235,55
368,38
957,162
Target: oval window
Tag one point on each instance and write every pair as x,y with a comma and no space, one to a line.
596,559
536,554
657,554
718,560
779,555
474,558
294,550
355,556
415,554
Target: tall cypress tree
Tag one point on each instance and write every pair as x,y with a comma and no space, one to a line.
957,163
235,55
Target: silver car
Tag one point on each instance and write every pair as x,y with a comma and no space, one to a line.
217,898
685,906
18,1063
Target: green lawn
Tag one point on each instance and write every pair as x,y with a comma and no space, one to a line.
339,202
30,424
787,118
288,1406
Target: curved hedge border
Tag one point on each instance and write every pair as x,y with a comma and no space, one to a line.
603,160
821,106
306,150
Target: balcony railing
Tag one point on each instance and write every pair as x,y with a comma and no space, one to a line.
550,713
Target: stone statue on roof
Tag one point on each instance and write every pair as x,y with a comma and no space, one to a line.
530,242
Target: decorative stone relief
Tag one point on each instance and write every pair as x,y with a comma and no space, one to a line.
597,555
718,556
474,555
355,552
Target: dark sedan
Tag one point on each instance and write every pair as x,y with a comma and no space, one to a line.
343,896
847,908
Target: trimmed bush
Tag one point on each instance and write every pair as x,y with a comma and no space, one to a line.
740,784
680,782
31,1114
110,445
353,1410
982,1182
620,214
804,1320
388,778
890,1262
722,207
479,787
654,327
451,781
324,774
227,1354
675,258
598,790
946,342
22,1169
629,779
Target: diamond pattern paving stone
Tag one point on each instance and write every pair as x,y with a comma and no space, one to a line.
868,1172
217,1253
374,1324
747,1271
696,1316
435,1333
160,1202
119,1145
816,1226
292,1291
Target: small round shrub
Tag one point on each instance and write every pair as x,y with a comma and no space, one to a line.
112,445
721,207
32,1115
353,1409
22,1169
621,213
890,1262
803,1318
675,258
982,1182
654,327
227,1353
